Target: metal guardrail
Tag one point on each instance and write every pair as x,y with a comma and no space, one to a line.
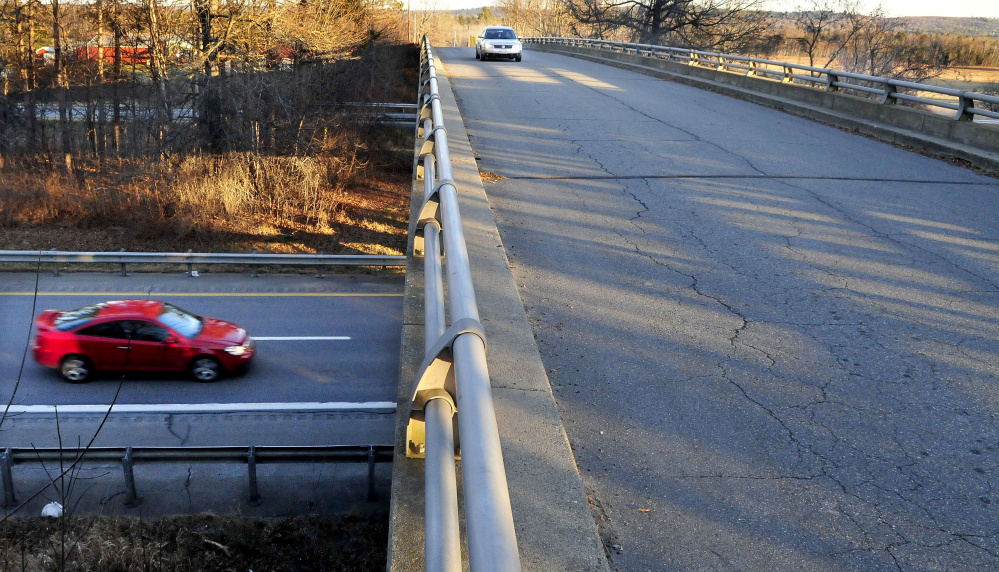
889,90
252,456
191,258
454,378
394,114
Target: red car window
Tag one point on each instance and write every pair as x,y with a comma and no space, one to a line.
147,331
114,330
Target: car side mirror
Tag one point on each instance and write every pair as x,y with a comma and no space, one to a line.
170,341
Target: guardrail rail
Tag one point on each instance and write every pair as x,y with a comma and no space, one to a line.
129,456
453,379
191,258
967,105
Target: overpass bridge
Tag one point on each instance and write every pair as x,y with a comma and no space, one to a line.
772,343
720,336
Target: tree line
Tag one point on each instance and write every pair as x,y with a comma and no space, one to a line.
828,33
139,77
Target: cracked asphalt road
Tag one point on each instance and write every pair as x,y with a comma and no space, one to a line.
774,344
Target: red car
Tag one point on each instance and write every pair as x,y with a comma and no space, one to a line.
139,335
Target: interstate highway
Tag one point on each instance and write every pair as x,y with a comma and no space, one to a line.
331,340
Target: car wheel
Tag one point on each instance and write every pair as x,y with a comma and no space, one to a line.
476,54
517,59
75,368
206,369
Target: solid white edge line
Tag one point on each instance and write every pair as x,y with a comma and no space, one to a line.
297,338
386,406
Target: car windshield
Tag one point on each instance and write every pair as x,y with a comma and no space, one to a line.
180,321
500,35
69,320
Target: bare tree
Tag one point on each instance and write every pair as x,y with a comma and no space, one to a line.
536,17
727,24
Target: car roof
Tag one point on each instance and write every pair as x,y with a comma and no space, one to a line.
130,309
497,28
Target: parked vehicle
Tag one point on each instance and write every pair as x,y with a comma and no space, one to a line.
139,335
498,42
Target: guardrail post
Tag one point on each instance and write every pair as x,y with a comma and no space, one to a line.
124,271
190,265
251,468
964,106
832,81
787,75
255,267
371,474
6,471
55,264
890,91
132,498
320,267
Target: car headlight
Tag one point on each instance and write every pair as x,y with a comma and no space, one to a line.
488,45
237,350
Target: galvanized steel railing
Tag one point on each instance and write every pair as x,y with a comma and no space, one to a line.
454,379
889,90
129,456
191,258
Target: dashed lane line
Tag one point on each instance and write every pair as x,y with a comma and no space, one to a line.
298,338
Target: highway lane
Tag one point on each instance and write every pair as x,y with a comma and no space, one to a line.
359,364
774,344
298,391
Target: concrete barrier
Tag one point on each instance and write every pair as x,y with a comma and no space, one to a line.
555,527
940,135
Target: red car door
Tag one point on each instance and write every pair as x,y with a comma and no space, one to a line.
154,348
105,344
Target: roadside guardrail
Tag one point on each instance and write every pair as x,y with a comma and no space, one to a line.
967,105
454,378
203,258
129,456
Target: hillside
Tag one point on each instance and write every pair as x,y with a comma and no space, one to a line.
984,27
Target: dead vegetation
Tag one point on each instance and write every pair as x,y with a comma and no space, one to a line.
199,543
290,166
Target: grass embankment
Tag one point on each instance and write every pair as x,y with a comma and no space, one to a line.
232,202
202,543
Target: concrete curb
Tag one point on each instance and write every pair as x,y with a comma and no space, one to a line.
930,133
555,527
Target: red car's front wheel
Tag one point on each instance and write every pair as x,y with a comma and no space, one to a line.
206,369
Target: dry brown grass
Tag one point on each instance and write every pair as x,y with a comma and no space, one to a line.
199,543
233,202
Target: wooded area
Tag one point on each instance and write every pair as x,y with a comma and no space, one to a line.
179,122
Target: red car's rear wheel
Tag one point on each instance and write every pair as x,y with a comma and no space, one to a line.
75,368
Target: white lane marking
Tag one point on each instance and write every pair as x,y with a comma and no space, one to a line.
379,406
297,338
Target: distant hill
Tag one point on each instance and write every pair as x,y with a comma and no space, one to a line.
982,27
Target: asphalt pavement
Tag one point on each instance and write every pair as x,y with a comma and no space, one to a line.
326,373
329,340
774,344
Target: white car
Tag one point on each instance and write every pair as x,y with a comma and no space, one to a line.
498,42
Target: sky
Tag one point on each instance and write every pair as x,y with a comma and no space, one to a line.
958,8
